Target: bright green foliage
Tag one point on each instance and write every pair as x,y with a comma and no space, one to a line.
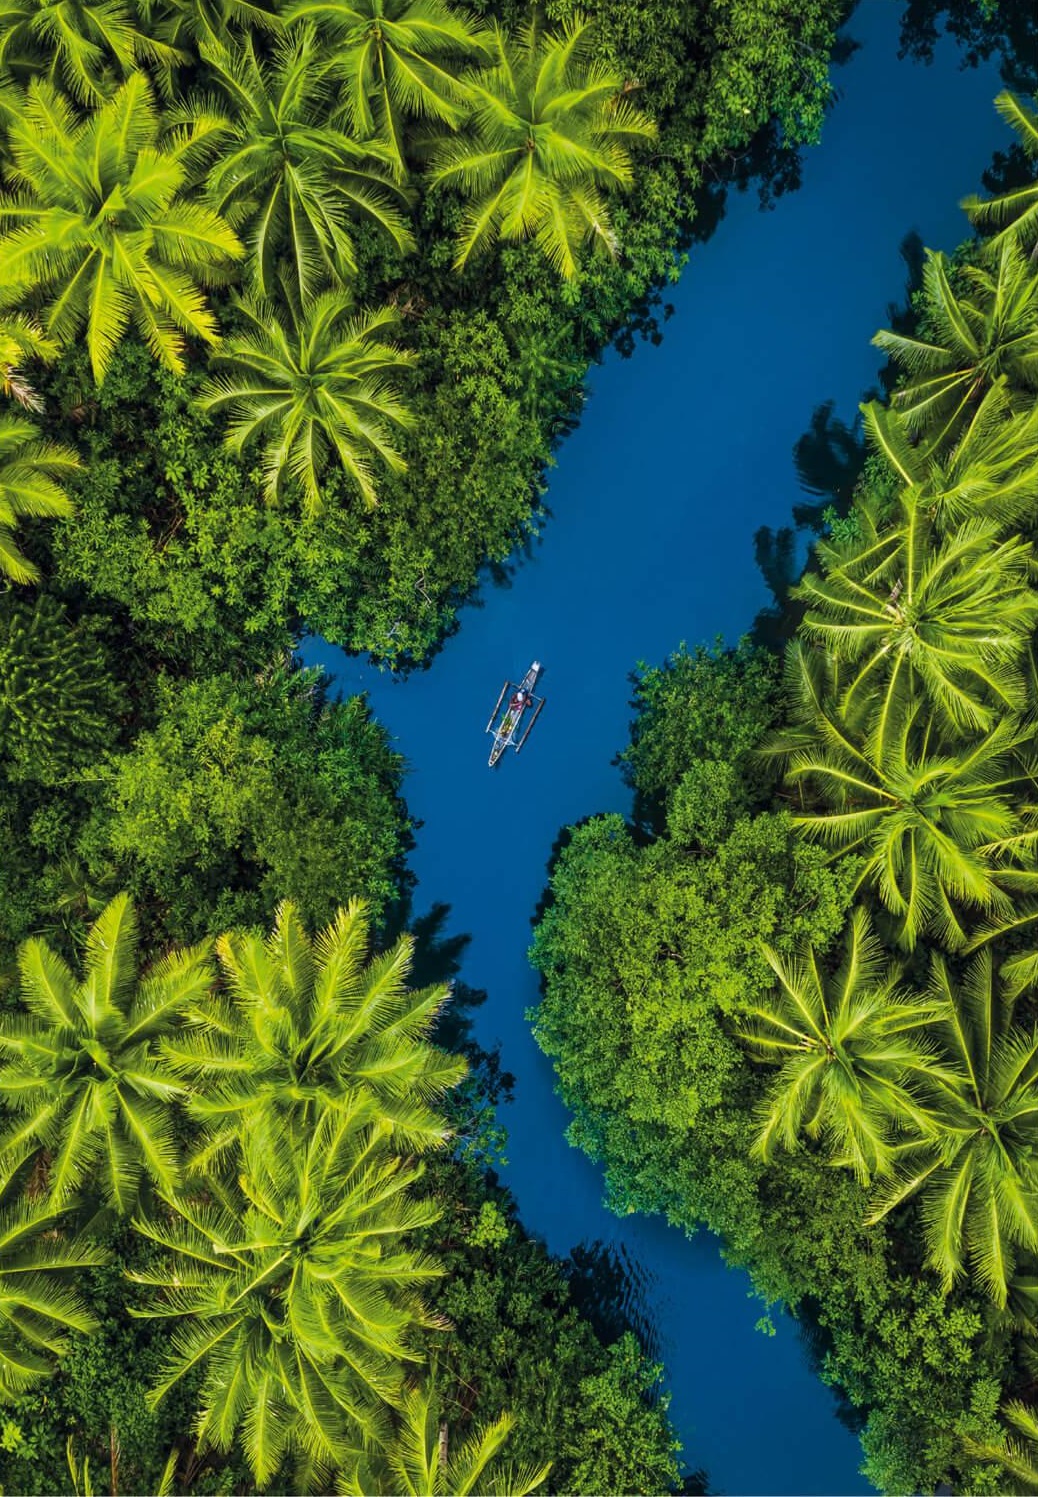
308,1026
81,1074
39,1305
1014,214
643,953
548,138
101,229
286,179
934,823
971,338
422,1460
208,24
317,386
31,471
244,789
850,1053
977,1171
395,61
913,611
22,339
90,45
992,471
295,1294
58,701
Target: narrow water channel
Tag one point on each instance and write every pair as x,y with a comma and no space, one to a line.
683,452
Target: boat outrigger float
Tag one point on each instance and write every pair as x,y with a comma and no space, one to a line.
509,732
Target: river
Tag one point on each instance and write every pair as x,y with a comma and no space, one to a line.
683,451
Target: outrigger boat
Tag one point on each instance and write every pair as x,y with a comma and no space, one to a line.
509,731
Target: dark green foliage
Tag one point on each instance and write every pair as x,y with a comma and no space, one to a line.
701,714
247,788
518,1341
59,704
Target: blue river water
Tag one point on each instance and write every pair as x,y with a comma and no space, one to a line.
683,451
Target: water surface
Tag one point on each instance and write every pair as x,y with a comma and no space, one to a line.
683,451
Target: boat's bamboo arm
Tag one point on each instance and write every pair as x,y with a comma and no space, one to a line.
497,706
529,727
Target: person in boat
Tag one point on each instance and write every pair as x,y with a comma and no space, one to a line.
520,700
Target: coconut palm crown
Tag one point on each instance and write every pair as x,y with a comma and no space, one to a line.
1013,215
31,471
285,177
88,45
294,1294
81,1076
850,1053
39,1305
976,330
976,1172
315,386
305,1025
99,232
909,609
395,61
550,135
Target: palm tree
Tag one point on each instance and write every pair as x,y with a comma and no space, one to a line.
909,609
973,337
317,385
89,44
80,1071
396,61
848,1057
1017,1458
1014,214
992,471
422,1461
196,26
39,1304
30,474
286,177
306,1025
934,826
294,1293
100,230
21,339
977,1170
549,135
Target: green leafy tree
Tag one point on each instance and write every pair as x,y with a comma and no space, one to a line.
294,1294
39,1305
317,386
81,1075
193,26
1013,215
972,335
307,1025
285,177
31,470
935,825
90,45
976,1171
100,228
395,61
911,610
59,703
422,1459
849,1051
549,136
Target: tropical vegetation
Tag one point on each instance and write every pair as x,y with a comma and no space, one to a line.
795,1000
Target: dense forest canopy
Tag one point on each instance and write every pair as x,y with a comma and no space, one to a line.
296,300
794,1000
